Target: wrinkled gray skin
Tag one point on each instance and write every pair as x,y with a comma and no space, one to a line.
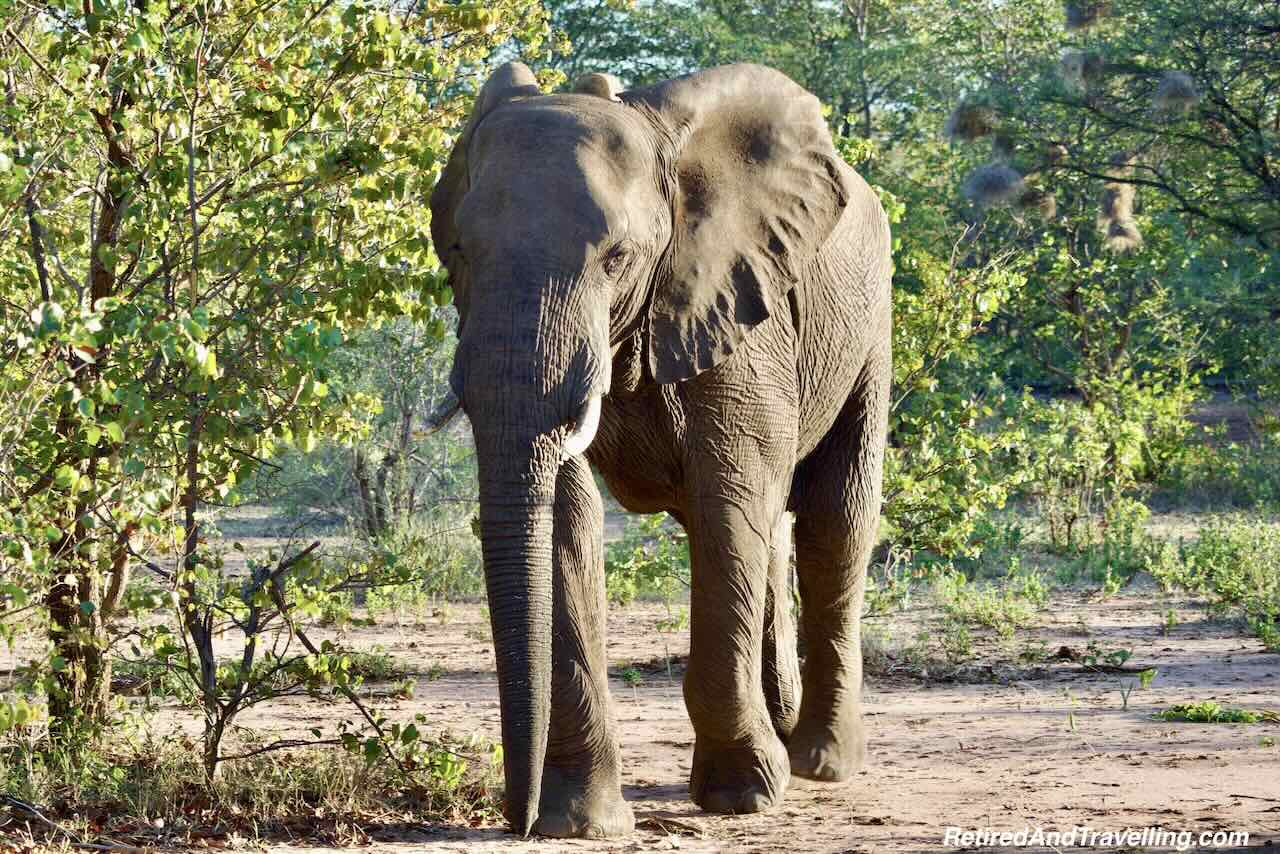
695,259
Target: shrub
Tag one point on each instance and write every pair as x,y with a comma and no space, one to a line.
434,556
1225,475
1209,712
152,790
1124,547
1002,607
1235,564
650,561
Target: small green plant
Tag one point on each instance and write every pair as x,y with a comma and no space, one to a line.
1034,651
1209,712
1170,621
1072,702
674,621
1143,681
1267,630
1267,741
429,557
375,665
650,561
956,640
631,677
1220,474
891,582
145,781
1003,607
17,713
1118,548
1097,655
1111,584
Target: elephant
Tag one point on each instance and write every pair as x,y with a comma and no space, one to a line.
685,288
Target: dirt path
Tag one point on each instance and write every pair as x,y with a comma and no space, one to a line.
1043,745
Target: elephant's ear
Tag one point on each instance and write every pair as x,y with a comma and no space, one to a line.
510,81
759,187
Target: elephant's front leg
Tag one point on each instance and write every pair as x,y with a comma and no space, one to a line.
741,433
739,763
581,789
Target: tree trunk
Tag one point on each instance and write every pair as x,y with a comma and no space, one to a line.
364,491
383,505
81,689
197,616
80,695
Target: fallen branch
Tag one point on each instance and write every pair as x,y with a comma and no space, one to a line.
1112,668
33,811
280,744
666,825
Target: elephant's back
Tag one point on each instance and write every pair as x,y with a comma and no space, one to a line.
841,309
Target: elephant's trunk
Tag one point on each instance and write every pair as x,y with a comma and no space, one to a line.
530,369
516,517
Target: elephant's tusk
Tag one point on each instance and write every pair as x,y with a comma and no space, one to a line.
584,429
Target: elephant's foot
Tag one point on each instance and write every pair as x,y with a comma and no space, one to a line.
826,752
739,778
569,807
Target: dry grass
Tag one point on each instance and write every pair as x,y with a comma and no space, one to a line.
152,793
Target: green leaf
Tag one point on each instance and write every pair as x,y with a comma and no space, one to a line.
114,431
137,41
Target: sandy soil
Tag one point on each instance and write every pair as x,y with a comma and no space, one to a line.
1002,746
1015,741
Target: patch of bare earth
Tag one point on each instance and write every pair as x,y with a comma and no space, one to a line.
1046,744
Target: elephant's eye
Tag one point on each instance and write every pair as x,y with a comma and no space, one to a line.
615,260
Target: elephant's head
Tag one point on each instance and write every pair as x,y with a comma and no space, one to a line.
675,217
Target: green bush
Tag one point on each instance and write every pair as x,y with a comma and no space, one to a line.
435,556
1209,712
1224,476
1002,607
145,782
650,561
1089,460
1123,549
1235,564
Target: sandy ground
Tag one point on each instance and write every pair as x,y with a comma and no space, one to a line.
1006,743
1003,746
